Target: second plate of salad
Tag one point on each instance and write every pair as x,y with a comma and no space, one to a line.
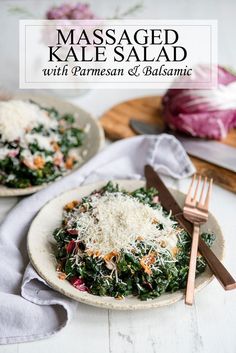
43,138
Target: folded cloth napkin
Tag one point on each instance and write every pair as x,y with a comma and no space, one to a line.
29,309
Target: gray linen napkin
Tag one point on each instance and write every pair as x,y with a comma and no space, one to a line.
29,309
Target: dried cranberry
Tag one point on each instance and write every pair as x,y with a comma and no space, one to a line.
70,246
72,231
79,284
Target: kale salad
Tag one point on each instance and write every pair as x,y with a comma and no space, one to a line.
117,243
37,144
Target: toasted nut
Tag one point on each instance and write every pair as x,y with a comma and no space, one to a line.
162,243
71,205
119,297
62,276
69,162
97,253
55,146
94,253
139,238
147,261
39,162
145,267
175,251
110,255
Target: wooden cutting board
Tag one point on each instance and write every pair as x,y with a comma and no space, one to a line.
116,125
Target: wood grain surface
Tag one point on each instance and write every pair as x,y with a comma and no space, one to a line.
148,109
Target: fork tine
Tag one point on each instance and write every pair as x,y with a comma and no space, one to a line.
202,192
197,187
208,195
190,190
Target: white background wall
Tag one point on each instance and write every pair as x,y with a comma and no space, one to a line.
223,11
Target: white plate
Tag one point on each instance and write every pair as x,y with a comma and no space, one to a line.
94,139
41,243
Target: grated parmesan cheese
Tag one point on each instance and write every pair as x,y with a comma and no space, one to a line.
116,221
17,116
4,151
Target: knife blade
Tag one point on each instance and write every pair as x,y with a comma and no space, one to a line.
169,204
211,151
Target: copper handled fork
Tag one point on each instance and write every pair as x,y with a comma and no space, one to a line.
196,211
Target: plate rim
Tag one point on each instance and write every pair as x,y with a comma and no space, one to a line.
113,304
9,192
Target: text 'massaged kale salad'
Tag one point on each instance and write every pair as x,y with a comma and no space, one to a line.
37,145
118,243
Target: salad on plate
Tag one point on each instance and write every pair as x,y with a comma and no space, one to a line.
117,243
37,144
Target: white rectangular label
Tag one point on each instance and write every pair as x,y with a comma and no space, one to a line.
118,54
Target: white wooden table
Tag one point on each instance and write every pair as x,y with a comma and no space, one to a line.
208,326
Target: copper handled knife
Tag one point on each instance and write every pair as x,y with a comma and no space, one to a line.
168,202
